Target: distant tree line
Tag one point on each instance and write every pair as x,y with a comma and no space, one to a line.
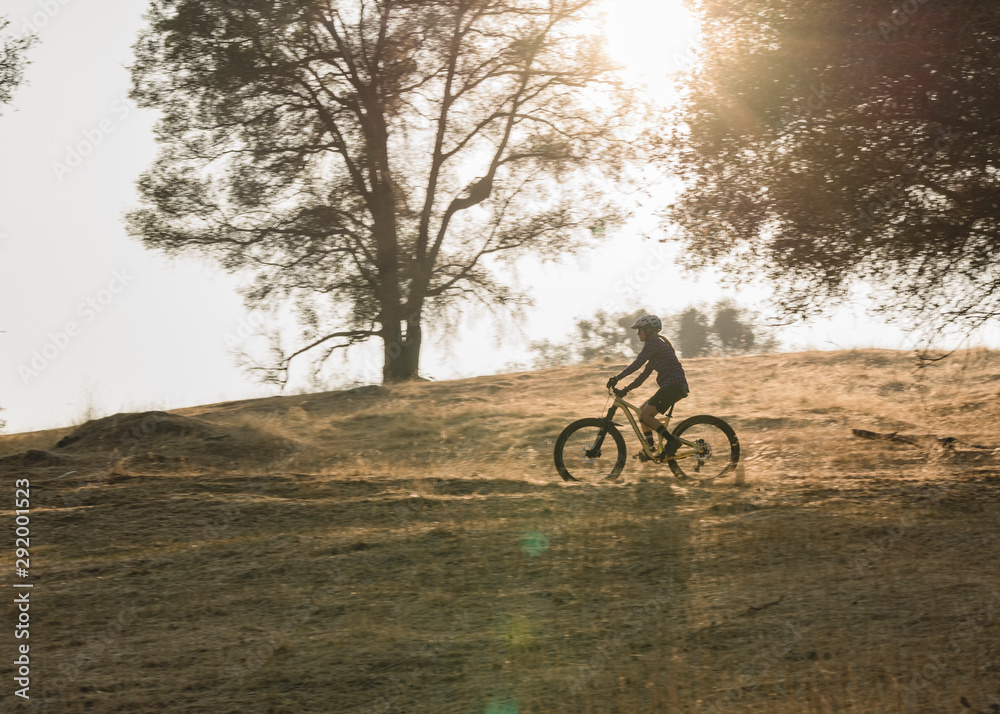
722,329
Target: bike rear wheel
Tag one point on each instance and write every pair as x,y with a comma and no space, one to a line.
580,458
715,453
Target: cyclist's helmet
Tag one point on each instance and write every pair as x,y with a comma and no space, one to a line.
648,322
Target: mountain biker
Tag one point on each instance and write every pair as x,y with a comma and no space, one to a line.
657,354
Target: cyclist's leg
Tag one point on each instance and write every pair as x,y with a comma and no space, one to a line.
647,431
660,402
644,421
648,417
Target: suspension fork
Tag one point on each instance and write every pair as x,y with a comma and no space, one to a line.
606,423
608,419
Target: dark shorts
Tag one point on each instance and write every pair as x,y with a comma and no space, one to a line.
667,396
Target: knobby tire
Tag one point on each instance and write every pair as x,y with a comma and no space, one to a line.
725,453
571,462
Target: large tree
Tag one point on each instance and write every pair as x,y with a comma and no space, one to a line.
844,144
371,161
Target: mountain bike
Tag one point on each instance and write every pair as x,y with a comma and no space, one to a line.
709,448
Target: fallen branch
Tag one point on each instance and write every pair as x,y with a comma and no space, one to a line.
924,441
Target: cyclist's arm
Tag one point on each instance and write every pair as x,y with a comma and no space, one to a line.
643,357
642,377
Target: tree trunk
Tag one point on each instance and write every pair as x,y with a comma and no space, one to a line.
402,351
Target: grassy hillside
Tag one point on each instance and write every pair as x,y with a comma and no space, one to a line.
411,549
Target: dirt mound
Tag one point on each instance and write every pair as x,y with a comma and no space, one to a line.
34,458
127,430
159,437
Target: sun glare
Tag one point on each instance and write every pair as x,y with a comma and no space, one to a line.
653,39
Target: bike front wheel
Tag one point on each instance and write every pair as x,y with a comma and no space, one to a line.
590,450
715,451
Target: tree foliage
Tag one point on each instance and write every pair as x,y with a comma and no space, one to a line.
737,331
12,61
603,336
371,161
845,143
692,333
607,336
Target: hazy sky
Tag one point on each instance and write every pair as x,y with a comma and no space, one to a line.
93,323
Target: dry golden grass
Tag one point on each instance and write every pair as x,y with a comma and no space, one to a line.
411,549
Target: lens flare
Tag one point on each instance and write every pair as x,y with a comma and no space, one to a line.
534,544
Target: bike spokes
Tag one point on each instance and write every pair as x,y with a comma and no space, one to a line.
588,450
713,451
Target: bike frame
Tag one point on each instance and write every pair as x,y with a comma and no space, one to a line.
627,408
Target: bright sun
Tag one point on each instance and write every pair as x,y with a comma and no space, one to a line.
652,38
